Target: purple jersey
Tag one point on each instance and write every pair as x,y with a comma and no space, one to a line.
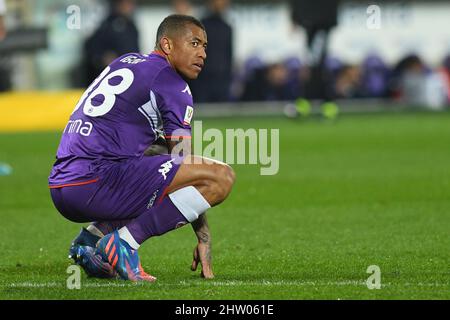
133,101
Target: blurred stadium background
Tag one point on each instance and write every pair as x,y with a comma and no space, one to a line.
370,187
392,53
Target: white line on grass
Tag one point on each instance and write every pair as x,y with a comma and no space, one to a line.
226,284
63,285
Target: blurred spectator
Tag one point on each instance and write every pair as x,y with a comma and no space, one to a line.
271,84
348,83
2,19
410,81
298,75
317,22
254,85
444,72
436,95
242,76
374,77
213,83
116,36
415,84
183,7
407,77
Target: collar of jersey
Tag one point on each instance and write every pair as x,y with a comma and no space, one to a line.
159,53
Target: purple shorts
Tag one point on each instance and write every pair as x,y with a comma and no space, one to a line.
124,190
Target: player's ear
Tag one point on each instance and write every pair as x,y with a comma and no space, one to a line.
166,45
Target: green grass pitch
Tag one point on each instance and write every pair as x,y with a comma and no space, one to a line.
363,190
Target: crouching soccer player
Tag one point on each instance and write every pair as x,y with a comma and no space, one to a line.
104,175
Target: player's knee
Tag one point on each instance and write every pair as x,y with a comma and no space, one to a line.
225,180
230,177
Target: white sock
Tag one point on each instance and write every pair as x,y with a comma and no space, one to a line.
125,234
190,202
95,231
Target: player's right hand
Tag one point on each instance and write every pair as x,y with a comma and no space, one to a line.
202,255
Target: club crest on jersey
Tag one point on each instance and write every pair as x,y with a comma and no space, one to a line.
188,115
187,90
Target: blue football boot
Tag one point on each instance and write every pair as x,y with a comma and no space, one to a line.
123,258
83,252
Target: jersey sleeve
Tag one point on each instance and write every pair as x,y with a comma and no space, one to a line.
175,104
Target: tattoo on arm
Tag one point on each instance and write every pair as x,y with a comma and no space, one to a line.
201,229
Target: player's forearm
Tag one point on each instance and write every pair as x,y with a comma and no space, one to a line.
201,229
155,150
179,146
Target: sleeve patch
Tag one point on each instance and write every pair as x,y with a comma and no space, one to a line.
188,115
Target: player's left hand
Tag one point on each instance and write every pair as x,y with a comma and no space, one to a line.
202,255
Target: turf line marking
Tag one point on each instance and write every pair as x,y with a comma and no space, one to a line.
63,285
226,284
